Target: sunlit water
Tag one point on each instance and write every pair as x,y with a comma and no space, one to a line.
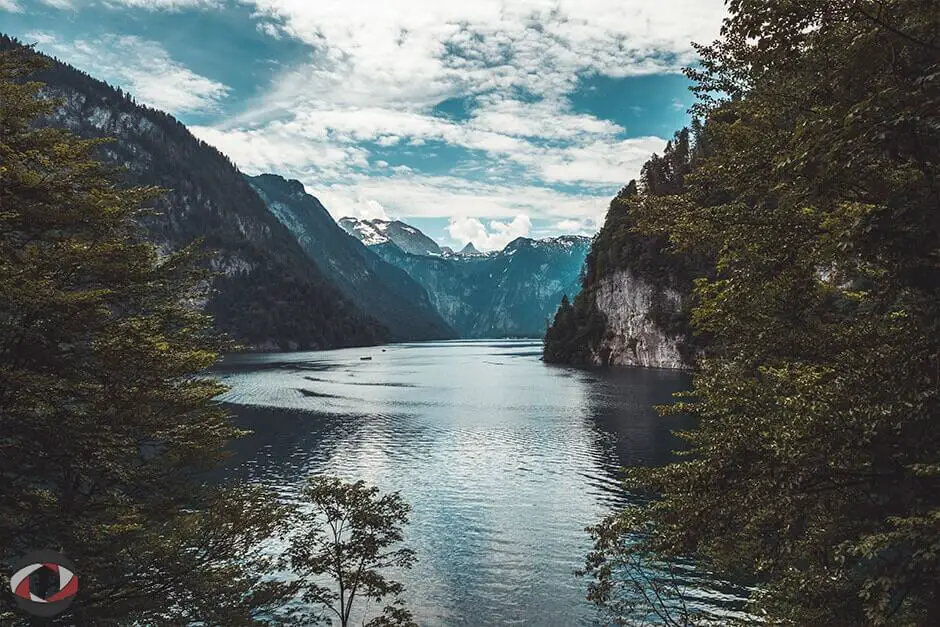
503,458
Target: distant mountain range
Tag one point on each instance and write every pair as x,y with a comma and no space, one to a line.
509,293
408,238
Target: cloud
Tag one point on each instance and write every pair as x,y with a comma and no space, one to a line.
141,67
576,227
11,6
355,116
364,209
584,149
388,140
59,4
376,50
375,72
269,29
164,5
493,237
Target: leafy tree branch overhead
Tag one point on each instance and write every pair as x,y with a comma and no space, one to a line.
814,466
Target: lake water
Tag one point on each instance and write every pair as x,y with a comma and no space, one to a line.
503,458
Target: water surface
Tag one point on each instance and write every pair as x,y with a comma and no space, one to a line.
503,458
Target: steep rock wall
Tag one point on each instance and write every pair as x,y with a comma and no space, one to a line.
632,337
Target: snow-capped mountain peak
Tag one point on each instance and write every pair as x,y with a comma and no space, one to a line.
405,236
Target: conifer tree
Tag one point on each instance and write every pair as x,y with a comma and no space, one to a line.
105,421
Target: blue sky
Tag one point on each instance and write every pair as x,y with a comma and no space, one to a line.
476,121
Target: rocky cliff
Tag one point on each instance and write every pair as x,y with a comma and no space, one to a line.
633,337
634,306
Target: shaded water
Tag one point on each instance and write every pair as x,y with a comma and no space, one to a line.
503,458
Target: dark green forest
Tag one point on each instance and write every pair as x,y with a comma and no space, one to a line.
108,424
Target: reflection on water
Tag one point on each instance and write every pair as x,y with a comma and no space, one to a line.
504,459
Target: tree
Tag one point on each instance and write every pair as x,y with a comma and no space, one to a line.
343,550
815,466
105,422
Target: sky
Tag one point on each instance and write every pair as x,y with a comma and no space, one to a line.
474,120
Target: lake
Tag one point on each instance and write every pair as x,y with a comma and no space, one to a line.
503,458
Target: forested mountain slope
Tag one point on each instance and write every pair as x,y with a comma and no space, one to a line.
386,292
270,295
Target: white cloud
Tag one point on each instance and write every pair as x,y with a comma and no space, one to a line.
59,4
495,236
375,71
364,209
269,29
400,53
141,67
388,140
407,194
165,5
11,6
576,227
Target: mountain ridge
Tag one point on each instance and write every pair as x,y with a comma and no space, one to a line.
375,285
268,294
512,292
378,231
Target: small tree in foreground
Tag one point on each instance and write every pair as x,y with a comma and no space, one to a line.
350,542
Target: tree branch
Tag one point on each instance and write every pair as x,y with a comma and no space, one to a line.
877,20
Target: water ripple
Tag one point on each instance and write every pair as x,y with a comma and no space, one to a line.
504,459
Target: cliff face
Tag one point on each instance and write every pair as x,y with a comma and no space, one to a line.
636,298
270,295
632,337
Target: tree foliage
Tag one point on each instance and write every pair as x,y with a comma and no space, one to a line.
104,421
348,545
815,468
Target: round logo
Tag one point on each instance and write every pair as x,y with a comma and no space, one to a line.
44,583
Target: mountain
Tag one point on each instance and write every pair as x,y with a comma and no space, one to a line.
406,237
469,249
509,293
376,286
634,308
269,294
